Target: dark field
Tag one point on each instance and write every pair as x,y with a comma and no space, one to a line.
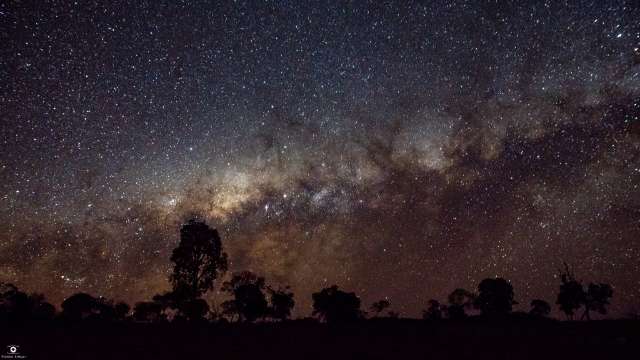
373,339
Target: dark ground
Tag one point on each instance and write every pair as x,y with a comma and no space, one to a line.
374,339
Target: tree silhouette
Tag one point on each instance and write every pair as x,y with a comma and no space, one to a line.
215,314
333,305
148,311
281,303
78,306
230,310
459,300
249,300
185,308
433,312
17,306
195,310
380,306
82,306
495,297
540,308
571,295
393,314
44,311
121,310
198,260
596,299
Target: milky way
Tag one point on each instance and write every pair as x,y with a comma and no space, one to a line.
398,151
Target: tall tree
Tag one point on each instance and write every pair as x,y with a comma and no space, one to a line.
333,305
495,297
571,295
198,260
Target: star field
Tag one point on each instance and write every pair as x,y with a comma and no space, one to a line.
397,149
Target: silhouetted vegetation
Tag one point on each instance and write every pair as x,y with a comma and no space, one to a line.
148,311
380,306
495,297
249,301
121,310
335,306
539,308
17,306
84,306
393,314
573,296
199,261
434,311
281,303
459,301
597,299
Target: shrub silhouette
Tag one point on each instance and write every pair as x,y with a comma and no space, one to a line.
121,310
148,311
44,311
596,299
333,305
393,314
434,311
183,306
17,306
281,303
78,306
82,306
194,310
540,308
249,301
495,297
14,304
459,301
380,306
230,311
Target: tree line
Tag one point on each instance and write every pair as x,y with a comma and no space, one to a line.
199,261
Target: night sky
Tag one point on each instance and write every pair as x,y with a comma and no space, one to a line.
397,149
